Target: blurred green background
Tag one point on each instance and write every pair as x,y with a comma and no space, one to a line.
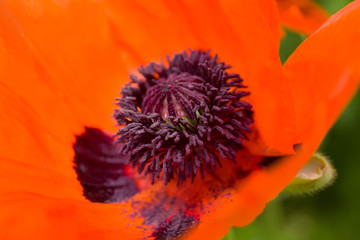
333,213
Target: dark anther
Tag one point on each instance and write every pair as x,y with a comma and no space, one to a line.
181,119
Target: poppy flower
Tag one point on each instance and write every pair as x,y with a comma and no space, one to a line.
303,16
62,64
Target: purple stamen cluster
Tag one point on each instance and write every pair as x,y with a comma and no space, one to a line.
182,118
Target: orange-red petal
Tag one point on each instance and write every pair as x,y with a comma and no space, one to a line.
61,65
102,46
303,16
244,34
258,63
325,72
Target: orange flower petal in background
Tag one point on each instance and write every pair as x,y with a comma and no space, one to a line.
62,64
303,16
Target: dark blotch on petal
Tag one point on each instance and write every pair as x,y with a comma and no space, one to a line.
101,169
175,227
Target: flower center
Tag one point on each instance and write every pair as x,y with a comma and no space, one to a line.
183,118
174,96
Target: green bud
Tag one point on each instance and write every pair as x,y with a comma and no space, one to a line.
315,175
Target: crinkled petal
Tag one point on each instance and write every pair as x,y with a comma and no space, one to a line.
95,45
58,71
